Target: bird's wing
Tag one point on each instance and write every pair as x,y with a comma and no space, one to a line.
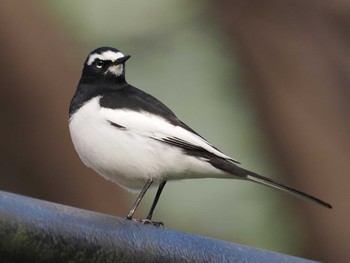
172,131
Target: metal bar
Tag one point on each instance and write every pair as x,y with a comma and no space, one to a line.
33,230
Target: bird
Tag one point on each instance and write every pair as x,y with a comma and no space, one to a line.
132,139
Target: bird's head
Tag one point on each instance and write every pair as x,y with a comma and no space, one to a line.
105,63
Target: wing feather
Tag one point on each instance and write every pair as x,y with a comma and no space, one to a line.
158,128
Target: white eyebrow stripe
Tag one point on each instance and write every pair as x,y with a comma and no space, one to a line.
107,55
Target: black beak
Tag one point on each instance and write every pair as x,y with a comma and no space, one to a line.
122,59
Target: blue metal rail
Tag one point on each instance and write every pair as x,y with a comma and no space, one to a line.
33,230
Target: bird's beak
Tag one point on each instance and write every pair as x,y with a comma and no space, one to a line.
121,60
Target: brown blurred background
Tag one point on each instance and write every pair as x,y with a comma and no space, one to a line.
278,72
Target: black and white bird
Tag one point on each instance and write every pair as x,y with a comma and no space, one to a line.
134,140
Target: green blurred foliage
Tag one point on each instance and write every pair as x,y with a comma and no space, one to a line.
180,55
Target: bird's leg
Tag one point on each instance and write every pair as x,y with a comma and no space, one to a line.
139,198
155,201
148,219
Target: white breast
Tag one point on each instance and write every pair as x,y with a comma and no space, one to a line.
129,156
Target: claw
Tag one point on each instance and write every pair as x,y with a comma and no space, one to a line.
146,221
149,222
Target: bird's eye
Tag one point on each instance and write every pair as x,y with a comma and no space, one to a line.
99,63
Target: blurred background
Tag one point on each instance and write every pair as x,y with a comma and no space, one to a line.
267,82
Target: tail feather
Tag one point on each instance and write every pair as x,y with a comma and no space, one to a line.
254,177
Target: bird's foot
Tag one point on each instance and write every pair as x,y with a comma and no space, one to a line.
146,221
150,222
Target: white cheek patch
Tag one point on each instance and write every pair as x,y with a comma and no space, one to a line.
107,55
115,70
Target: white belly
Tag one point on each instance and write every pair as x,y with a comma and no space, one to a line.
126,157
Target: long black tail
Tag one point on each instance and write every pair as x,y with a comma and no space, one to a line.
233,169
